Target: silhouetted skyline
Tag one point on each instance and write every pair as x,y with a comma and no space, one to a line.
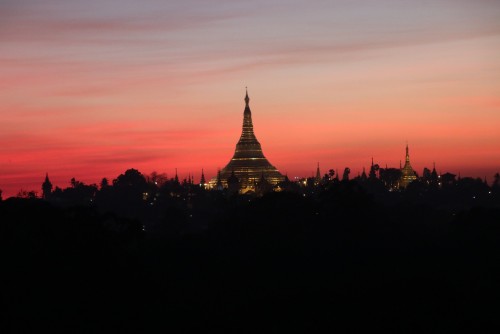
93,88
248,167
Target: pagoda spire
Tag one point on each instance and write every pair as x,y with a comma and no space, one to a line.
247,134
407,173
248,161
202,180
219,185
363,175
46,187
317,179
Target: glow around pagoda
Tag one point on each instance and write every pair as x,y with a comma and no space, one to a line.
248,164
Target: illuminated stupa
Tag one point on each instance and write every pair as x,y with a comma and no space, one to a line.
248,163
407,172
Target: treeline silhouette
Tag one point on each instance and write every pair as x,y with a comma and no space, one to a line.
138,255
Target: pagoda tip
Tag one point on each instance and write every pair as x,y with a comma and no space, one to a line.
247,99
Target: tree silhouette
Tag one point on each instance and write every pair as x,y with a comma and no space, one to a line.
345,176
104,183
331,173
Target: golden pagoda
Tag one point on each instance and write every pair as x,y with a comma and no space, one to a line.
248,163
407,172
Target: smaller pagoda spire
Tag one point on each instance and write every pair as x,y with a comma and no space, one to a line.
407,173
434,174
318,175
202,180
232,179
363,175
219,185
46,187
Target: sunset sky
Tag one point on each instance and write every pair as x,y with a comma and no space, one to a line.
89,89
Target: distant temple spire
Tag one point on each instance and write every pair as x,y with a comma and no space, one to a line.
363,175
434,174
233,183
373,170
407,172
202,180
46,187
219,185
317,179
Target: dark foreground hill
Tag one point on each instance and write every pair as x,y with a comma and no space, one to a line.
281,262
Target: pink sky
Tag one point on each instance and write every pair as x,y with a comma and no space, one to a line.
89,89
